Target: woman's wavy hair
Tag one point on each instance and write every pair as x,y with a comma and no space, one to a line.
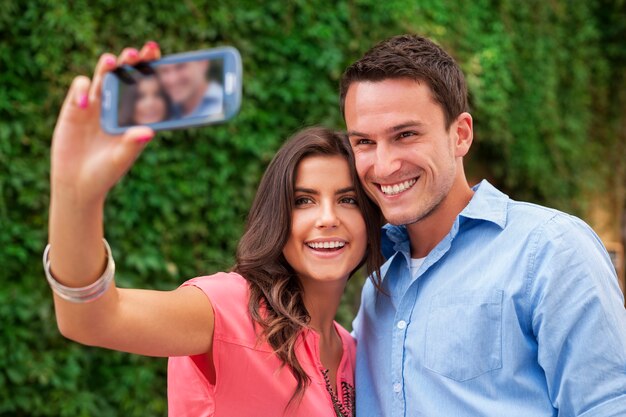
276,301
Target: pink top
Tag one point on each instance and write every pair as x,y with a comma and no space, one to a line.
249,380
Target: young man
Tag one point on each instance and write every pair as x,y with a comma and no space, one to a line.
489,306
191,92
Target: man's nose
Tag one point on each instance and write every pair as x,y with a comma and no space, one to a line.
387,161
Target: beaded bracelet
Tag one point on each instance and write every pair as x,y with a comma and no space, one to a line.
85,294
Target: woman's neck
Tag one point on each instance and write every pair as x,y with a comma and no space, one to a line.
321,300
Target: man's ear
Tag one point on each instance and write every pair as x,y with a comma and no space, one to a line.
463,133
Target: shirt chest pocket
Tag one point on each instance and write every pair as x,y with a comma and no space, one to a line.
464,334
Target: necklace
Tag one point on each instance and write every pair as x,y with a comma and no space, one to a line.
343,408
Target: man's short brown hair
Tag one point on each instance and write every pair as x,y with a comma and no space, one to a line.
417,58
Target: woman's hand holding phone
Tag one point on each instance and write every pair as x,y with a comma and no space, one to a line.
86,161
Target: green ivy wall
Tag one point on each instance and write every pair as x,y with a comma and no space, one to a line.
542,78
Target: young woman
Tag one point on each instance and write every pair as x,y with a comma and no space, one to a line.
144,102
258,341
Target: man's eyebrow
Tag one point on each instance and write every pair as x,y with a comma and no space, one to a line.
401,126
392,129
355,133
315,192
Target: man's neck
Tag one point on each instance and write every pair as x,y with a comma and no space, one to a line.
192,102
428,232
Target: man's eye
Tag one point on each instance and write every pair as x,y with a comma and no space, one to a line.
407,134
303,200
364,142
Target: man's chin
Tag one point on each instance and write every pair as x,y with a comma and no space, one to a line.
405,219
400,219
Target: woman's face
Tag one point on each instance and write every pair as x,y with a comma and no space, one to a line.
150,106
328,235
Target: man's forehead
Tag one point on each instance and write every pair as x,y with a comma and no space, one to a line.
389,105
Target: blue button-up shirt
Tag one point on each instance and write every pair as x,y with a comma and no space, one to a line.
212,103
516,312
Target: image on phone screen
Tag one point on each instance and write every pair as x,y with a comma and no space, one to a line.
170,92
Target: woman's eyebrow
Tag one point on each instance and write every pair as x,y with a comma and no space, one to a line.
345,190
315,192
306,190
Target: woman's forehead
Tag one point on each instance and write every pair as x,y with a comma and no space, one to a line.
323,171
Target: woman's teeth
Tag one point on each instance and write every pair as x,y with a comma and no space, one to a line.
326,245
397,188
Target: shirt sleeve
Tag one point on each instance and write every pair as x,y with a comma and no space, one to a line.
190,392
578,319
229,295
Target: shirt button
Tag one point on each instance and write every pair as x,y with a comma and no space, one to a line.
397,387
401,324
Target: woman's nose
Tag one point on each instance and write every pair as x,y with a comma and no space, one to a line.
327,216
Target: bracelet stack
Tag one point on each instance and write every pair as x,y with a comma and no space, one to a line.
85,294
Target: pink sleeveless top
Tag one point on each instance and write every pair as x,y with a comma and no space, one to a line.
249,379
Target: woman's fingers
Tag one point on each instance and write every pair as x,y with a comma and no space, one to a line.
80,91
150,51
77,96
132,143
129,56
138,135
106,63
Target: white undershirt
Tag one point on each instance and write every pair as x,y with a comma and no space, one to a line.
415,266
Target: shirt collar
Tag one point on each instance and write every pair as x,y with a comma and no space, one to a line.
212,95
487,204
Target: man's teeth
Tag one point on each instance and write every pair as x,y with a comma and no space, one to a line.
326,245
397,188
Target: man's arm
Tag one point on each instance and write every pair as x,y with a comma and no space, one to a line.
578,318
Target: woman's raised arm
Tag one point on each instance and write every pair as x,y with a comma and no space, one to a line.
86,163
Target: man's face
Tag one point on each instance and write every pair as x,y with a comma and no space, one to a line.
405,157
182,80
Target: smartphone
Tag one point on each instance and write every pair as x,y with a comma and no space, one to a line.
182,90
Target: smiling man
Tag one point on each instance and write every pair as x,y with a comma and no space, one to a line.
190,89
489,306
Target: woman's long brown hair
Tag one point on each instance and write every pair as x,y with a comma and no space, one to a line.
276,301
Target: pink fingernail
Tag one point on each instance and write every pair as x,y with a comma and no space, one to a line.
110,61
133,53
144,139
83,101
152,44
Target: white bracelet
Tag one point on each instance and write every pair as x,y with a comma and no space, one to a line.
85,294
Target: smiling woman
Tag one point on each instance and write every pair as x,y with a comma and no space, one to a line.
144,102
264,332
325,222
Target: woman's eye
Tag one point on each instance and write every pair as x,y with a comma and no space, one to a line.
303,200
348,200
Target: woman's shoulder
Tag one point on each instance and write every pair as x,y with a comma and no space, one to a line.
224,280
228,292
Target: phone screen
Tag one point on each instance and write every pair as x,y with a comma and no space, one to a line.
170,92
188,89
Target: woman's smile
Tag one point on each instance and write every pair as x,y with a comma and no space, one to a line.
328,234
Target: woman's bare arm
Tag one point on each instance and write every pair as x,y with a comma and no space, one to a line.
86,164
